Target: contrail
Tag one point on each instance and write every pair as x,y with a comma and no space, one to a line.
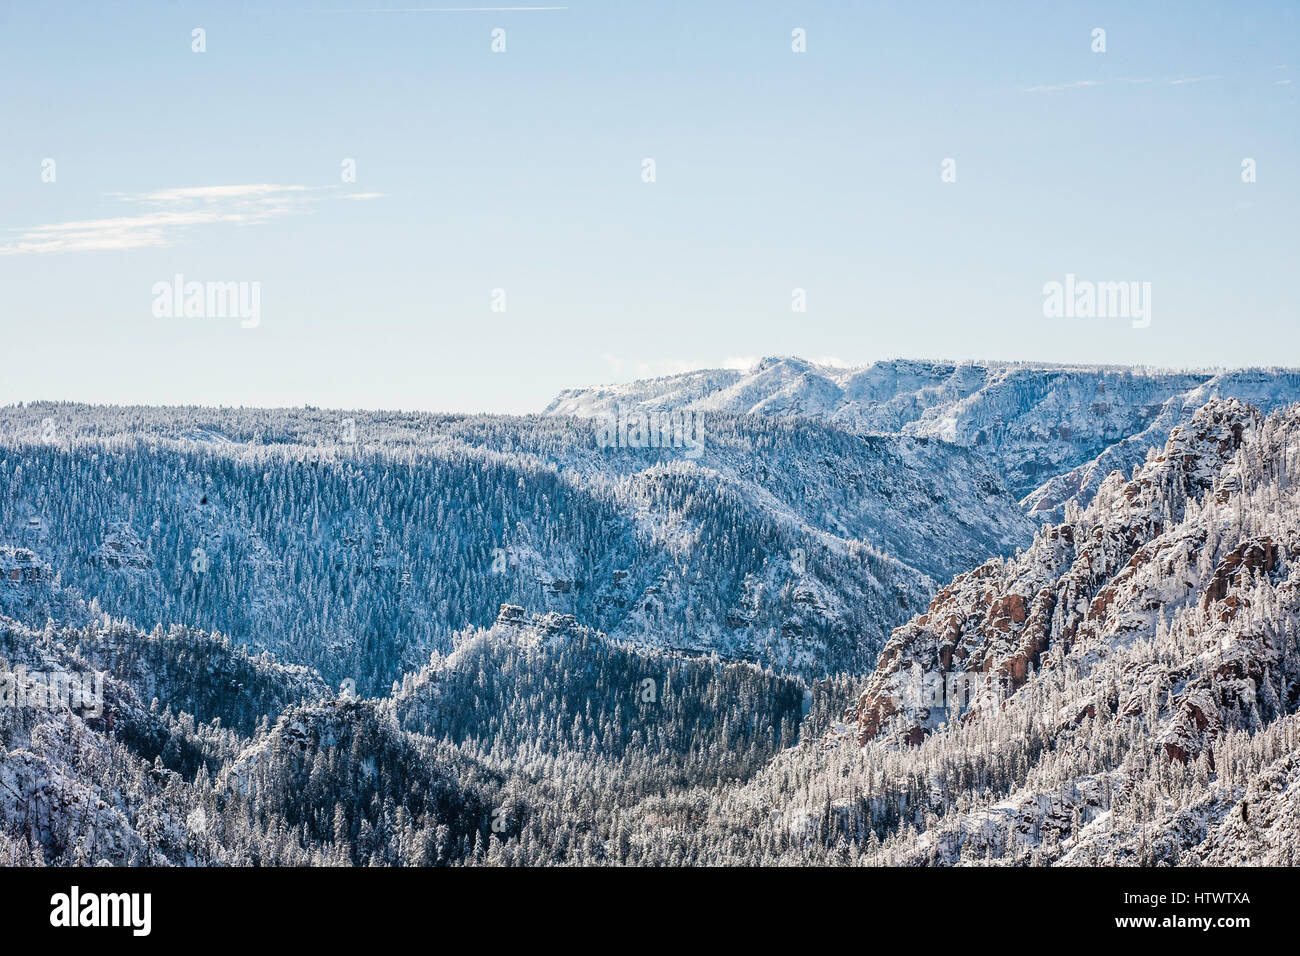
456,9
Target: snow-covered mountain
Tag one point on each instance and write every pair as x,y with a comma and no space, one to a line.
798,545
1054,431
1143,655
552,651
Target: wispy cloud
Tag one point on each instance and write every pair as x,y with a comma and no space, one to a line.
1121,81
245,192
167,216
1053,87
458,9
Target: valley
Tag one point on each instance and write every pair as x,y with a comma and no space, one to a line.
896,616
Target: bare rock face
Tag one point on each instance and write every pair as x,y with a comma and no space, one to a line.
1125,691
513,619
122,549
511,615
1236,569
21,566
1161,539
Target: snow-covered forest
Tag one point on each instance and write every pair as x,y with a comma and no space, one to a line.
348,638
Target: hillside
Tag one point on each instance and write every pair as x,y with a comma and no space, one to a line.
793,544
1121,689
1053,431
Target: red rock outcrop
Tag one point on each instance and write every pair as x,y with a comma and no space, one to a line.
1103,576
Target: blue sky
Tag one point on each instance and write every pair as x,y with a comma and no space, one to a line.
522,171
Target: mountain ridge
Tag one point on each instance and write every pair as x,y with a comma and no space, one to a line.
1055,430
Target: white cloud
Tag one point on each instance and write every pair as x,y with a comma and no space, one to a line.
168,216
246,192
1121,81
1053,87
458,9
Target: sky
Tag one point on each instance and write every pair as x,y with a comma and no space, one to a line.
499,240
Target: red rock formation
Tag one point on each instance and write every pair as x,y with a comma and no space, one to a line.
1095,579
